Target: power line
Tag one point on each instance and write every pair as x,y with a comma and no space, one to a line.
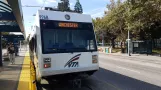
35,6
43,4
30,6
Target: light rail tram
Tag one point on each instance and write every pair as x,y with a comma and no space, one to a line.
63,45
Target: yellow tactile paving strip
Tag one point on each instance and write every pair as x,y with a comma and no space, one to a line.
25,82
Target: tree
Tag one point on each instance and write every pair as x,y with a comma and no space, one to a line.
115,21
78,7
142,18
5,33
64,5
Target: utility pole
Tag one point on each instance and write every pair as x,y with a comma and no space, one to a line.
128,33
128,41
102,40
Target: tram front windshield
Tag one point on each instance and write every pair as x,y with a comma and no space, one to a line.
66,40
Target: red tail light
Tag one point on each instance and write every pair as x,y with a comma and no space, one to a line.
48,65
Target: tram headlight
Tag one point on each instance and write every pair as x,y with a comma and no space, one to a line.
47,60
94,59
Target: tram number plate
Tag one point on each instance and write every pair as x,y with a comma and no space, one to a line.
44,17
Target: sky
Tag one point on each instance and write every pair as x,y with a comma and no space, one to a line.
95,8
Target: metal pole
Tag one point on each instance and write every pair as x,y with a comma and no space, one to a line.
128,34
1,64
102,40
128,42
20,45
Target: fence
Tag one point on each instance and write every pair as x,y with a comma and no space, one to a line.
157,43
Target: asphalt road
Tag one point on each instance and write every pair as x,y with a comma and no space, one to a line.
119,72
130,73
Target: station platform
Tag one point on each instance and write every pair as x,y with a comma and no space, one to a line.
19,75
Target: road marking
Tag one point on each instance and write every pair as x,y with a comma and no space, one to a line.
131,61
107,83
128,69
121,68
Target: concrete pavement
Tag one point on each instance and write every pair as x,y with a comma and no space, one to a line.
9,74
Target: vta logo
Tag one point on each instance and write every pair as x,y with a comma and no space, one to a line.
73,62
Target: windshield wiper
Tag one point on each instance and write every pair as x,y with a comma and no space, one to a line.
57,49
81,48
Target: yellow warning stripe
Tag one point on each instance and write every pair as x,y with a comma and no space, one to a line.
32,76
25,80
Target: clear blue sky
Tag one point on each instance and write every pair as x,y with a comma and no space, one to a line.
95,8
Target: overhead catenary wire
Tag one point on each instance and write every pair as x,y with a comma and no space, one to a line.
36,6
43,4
30,6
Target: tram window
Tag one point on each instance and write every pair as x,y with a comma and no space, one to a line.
36,45
32,45
62,41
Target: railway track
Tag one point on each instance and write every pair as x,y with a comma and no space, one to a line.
63,85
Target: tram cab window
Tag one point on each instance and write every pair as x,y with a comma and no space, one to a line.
32,45
65,37
64,41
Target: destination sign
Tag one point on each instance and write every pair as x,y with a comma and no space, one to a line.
68,25
51,24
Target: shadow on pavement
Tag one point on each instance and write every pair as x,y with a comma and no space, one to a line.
9,76
11,84
8,84
123,82
15,67
156,54
90,83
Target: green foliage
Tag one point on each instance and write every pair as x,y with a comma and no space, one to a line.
5,33
78,7
141,17
64,5
157,50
